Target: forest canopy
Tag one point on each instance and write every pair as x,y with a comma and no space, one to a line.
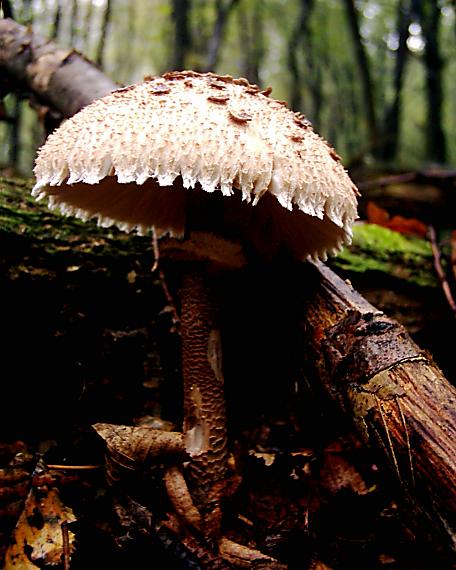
375,77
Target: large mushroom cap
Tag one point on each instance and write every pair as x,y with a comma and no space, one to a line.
132,157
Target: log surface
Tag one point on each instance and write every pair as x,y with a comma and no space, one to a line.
399,399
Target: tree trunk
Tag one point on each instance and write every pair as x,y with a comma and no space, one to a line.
99,57
182,36
390,136
251,37
299,36
7,9
57,21
85,39
73,22
398,398
60,78
428,13
365,79
224,10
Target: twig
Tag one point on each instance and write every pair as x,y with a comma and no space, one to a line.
390,443
407,441
438,268
170,306
66,546
423,176
56,467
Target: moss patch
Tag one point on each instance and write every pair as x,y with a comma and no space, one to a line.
21,216
379,249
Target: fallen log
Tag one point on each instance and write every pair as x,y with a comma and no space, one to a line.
399,399
59,77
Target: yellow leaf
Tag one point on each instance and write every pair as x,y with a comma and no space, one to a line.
38,535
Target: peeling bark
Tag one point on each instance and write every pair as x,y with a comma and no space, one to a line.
398,398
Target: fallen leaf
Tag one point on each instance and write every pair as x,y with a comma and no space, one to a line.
38,535
337,474
411,226
376,215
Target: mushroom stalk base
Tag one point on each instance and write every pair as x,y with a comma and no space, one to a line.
204,398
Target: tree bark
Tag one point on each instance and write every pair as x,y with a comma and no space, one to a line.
58,77
398,398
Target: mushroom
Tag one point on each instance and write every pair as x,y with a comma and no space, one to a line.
221,172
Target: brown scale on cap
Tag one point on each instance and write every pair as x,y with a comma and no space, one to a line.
218,98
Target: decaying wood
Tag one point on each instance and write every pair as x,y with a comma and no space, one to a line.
58,77
399,399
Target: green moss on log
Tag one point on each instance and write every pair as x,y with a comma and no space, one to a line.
378,249
374,248
22,217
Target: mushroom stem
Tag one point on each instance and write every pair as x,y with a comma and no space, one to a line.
204,398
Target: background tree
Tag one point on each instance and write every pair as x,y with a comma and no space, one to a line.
390,135
367,85
428,14
374,77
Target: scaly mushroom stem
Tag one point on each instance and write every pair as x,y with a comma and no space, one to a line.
204,398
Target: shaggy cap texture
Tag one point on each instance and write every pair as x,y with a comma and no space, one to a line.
133,158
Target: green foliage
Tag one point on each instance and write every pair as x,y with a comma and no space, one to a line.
140,40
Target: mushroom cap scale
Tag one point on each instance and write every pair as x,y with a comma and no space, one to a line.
132,157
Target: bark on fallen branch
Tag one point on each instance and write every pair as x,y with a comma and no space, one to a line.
58,77
398,398
440,178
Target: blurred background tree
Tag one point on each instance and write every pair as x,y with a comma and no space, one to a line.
376,77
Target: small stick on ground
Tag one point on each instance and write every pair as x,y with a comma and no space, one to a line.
66,546
438,268
170,304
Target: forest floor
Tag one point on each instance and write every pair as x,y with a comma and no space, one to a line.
88,338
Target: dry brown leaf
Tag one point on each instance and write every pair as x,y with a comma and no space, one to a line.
38,534
377,215
337,474
133,445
